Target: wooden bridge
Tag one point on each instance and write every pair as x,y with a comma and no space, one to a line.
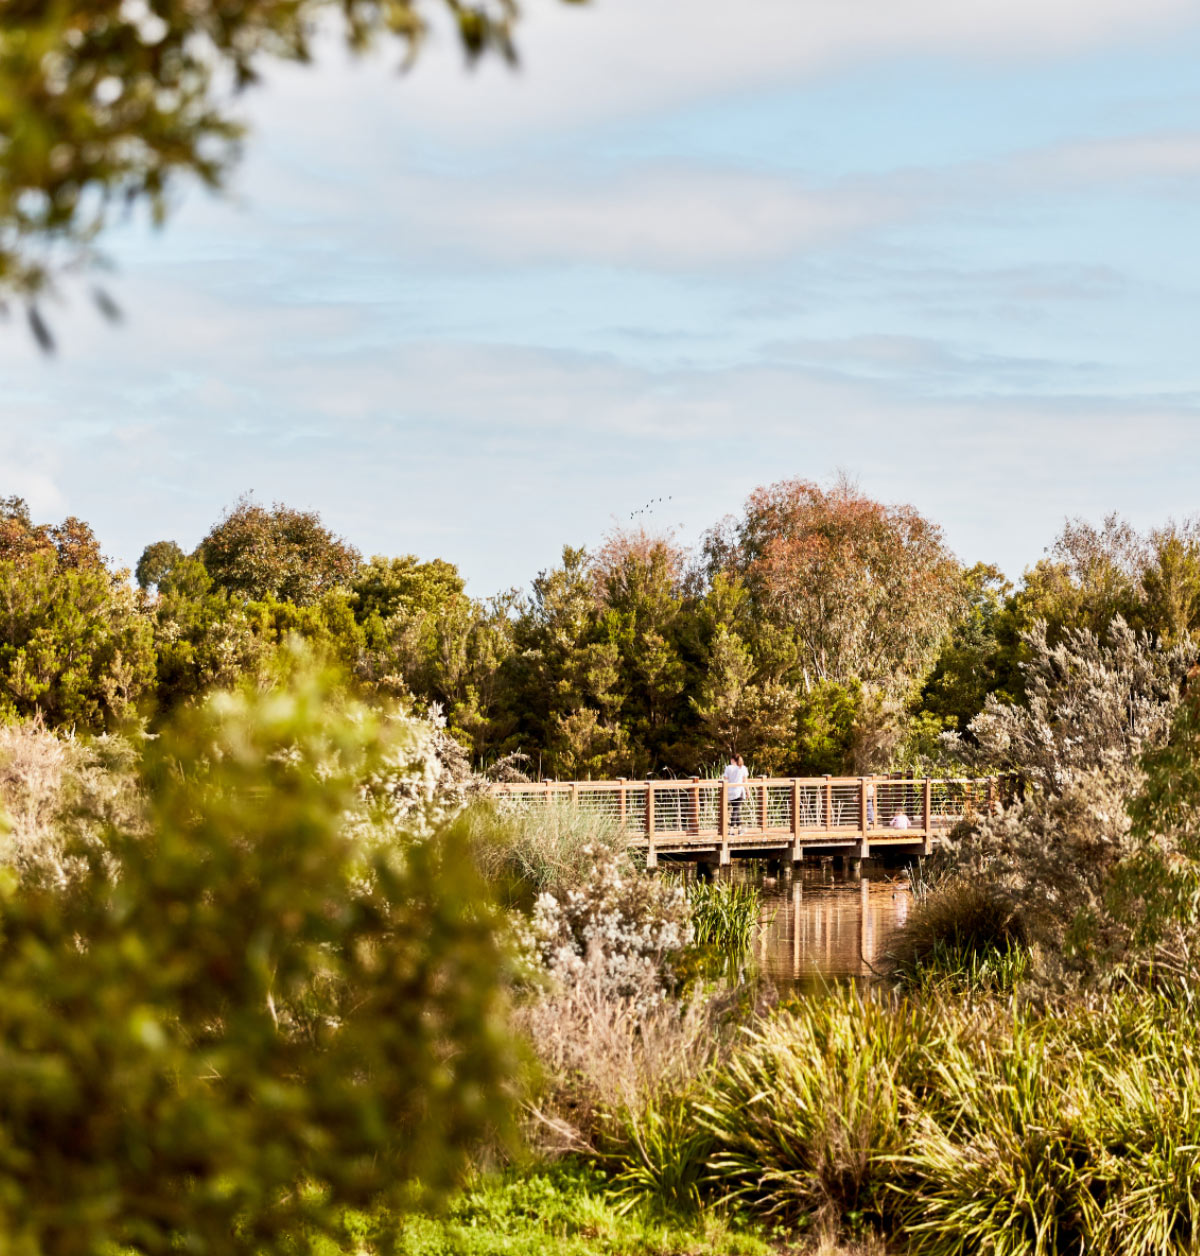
775,818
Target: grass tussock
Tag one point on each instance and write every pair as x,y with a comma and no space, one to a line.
529,850
945,1127
964,931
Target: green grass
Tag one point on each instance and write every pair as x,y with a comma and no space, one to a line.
560,1210
725,914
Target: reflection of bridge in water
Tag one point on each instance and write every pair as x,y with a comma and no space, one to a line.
822,925
702,821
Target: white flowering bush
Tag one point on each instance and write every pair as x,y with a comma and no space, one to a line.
424,781
620,929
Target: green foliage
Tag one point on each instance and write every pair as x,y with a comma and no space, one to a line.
1157,888
725,914
156,564
385,587
828,723
659,1152
244,1020
74,645
281,553
564,1209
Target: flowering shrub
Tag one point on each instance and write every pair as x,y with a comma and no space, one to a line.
620,927
423,781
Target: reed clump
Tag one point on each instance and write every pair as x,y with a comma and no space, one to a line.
725,914
961,929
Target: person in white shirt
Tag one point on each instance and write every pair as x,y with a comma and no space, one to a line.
899,820
736,774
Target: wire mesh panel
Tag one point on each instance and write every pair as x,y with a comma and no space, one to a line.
899,805
846,800
692,808
954,800
810,809
779,807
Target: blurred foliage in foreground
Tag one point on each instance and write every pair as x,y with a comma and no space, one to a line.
108,104
243,1017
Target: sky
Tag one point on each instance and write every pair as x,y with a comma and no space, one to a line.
684,250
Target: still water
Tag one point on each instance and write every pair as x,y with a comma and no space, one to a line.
821,925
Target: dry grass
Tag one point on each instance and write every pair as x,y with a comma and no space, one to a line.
55,790
599,1054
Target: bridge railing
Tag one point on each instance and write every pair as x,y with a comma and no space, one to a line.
801,806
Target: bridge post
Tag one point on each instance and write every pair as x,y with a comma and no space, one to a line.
991,795
797,849
927,848
723,857
621,801
828,804
762,806
651,851
694,826
864,845
574,795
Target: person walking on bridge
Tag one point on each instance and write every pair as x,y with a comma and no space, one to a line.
736,774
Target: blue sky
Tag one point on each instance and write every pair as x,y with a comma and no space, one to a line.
686,250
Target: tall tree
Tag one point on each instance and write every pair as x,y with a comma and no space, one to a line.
867,590
281,553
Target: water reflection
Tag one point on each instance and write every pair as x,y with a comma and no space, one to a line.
824,925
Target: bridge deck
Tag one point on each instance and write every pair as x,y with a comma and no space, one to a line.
706,818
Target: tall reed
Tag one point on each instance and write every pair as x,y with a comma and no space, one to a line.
725,914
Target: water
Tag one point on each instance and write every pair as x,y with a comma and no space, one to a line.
822,925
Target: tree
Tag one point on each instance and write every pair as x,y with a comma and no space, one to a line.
1171,582
256,553
247,1018
868,591
980,655
72,542
156,563
389,586
75,646
1092,575
108,105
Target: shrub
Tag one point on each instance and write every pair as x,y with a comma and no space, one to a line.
242,1021
802,1113
956,926
623,927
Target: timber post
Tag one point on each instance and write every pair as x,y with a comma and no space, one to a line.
651,851
797,849
621,802
864,844
694,826
574,795
723,857
928,846
828,804
762,810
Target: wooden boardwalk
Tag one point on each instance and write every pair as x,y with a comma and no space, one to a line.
776,818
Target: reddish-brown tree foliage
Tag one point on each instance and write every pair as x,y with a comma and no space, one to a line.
869,590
